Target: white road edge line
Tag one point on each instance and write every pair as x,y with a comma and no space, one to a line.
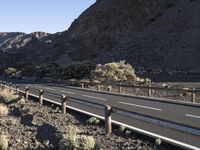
193,116
67,92
128,126
50,89
147,107
94,97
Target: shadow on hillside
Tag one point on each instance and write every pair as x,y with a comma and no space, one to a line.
27,120
48,135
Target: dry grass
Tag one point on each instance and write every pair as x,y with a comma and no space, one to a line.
4,141
7,95
3,110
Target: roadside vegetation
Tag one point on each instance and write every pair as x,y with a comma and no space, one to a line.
115,72
109,72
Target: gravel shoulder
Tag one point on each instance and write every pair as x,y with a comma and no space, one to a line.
41,127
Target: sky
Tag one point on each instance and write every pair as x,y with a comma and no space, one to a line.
40,15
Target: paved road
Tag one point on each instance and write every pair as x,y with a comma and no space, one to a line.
178,114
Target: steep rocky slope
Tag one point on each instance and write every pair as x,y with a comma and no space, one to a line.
154,35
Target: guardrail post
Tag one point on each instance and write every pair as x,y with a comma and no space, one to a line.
108,123
10,87
17,88
109,88
149,91
5,85
41,96
26,93
2,85
193,95
82,85
63,101
98,87
120,88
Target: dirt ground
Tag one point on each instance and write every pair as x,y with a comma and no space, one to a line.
36,127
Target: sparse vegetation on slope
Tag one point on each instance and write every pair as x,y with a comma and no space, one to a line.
6,95
3,110
71,140
4,141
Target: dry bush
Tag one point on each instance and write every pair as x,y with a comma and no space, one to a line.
3,110
4,141
93,120
87,142
11,121
115,71
10,71
6,95
71,140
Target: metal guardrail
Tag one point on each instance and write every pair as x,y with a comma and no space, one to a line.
148,87
108,110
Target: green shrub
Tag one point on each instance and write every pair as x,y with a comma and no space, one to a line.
78,70
44,70
122,129
93,120
10,71
158,141
29,70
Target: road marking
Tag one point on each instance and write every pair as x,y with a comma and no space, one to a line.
147,107
67,92
94,97
37,86
49,89
193,116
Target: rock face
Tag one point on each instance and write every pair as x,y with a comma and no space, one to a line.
14,42
154,35
20,49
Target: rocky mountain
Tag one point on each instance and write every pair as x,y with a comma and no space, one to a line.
12,42
20,49
153,35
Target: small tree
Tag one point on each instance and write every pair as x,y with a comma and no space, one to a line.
10,71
